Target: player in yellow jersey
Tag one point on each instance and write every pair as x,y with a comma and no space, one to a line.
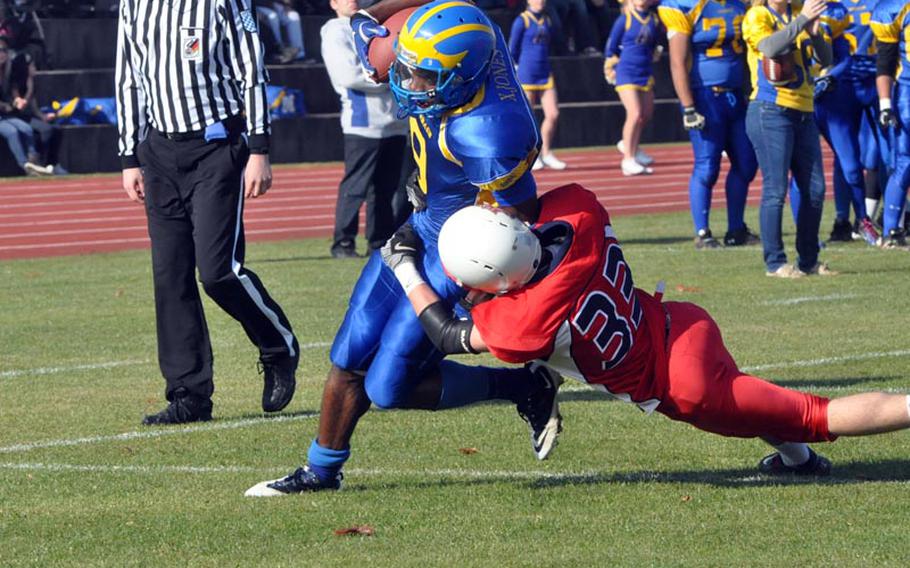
782,128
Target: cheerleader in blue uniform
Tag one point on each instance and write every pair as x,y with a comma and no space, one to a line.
529,43
630,52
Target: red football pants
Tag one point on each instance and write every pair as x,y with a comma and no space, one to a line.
706,389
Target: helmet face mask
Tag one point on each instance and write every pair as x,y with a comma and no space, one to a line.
443,56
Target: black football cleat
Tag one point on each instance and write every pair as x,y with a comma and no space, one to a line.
302,480
541,410
841,232
817,465
895,240
183,408
741,237
705,240
279,382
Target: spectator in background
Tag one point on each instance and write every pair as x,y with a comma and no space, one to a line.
573,14
529,43
630,53
278,16
374,142
22,82
18,134
781,125
19,25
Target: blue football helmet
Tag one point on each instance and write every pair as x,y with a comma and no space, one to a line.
443,55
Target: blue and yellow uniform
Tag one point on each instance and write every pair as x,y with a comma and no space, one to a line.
839,113
481,150
759,23
716,75
891,24
633,39
529,43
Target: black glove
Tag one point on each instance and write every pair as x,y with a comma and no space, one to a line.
824,84
887,118
692,119
416,195
402,247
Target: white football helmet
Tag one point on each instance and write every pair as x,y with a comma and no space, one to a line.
485,249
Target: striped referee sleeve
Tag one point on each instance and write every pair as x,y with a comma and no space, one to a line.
131,109
250,71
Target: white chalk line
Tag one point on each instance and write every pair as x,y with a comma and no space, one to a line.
108,365
148,434
804,299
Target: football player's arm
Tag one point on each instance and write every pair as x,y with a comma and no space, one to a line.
679,55
887,36
448,333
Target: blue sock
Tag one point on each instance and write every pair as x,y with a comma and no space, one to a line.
699,203
324,462
463,385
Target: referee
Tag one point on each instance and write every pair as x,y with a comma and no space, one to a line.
194,126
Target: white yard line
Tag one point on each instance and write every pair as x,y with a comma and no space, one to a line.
147,434
67,369
108,365
804,299
827,360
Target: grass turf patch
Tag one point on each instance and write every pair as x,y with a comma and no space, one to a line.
78,368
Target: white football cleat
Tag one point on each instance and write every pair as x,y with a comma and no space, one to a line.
630,167
551,161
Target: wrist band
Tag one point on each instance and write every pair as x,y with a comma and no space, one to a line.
884,104
408,276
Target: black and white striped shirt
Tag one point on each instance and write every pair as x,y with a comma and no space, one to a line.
183,65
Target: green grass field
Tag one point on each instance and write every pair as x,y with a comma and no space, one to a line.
82,484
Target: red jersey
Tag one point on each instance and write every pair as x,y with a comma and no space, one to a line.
584,318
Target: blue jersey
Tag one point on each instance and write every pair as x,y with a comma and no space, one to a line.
715,29
483,150
891,24
529,43
633,39
861,39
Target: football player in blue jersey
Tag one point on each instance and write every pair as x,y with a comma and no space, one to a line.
707,62
474,139
842,92
891,25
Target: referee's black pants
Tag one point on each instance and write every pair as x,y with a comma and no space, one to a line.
194,205
372,173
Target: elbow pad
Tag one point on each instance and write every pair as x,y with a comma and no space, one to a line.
448,333
886,61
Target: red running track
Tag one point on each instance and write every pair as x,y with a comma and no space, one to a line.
56,217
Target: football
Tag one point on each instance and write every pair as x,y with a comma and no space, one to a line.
779,70
382,49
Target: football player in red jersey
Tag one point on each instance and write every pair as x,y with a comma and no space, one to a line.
561,293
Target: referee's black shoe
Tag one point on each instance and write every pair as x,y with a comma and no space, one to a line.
280,382
183,408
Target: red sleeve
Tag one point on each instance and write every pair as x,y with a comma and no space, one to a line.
522,325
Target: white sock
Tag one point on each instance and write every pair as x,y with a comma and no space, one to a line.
793,453
871,206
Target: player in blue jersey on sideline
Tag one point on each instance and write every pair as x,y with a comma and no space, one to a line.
629,53
707,62
891,25
529,44
473,134
842,92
